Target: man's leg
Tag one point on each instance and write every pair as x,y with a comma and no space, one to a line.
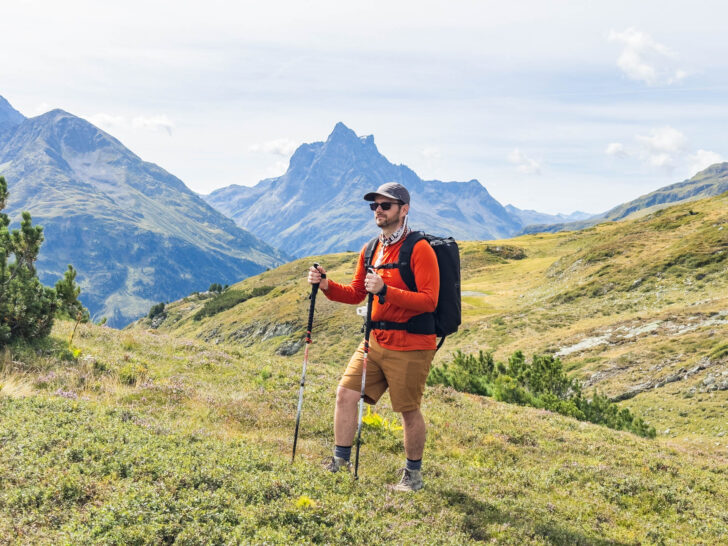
345,416
414,434
347,397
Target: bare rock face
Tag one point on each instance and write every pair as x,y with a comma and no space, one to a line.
324,185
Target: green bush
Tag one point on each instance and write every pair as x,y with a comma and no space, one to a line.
156,310
542,383
229,299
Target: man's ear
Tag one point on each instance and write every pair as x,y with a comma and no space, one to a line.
404,209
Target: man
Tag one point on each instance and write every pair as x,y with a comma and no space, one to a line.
397,360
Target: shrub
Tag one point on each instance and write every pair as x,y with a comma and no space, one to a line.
132,373
542,383
156,310
229,299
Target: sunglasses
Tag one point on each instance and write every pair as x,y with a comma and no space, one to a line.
385,206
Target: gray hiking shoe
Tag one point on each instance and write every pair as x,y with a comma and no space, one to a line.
411,481
334,464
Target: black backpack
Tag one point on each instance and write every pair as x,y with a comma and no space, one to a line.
447,317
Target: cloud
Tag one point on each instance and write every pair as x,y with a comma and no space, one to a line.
431,153
281,146
107,121
616,149
153,123
644,59
150,123
663,147
702,159
524,164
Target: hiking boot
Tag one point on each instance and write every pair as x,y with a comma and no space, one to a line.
411,481
333,464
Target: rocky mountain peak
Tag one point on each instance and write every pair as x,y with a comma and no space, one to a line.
9,116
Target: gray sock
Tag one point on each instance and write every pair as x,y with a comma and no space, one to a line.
414,465
343,452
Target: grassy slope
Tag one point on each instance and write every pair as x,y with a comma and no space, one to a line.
198,450
198,447
651,294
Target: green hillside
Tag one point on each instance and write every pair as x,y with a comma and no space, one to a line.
179,429
626,306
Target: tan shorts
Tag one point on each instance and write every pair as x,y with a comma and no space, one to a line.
403,372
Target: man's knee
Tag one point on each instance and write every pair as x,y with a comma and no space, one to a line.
346,397
412,416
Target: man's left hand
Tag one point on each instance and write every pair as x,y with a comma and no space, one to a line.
373,283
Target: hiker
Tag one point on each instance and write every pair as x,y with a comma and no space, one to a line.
397,360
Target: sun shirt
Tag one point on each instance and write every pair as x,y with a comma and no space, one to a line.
401,304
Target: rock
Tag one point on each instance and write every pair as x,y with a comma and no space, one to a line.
288,348
158,320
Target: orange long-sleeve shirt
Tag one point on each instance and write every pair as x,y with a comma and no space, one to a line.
401,304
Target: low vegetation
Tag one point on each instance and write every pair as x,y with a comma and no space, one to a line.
542,383
180,430
229,299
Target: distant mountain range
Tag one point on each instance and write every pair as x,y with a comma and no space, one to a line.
707,183
316,206
135,233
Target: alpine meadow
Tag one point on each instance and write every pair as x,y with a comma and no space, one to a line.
178,428
376,273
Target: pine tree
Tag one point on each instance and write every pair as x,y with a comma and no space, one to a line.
26,306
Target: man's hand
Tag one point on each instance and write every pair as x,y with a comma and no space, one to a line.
373,283
314,277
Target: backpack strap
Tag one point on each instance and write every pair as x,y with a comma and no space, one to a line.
369,252
405,258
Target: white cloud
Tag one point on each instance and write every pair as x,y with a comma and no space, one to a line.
616,149
524,164
281,146
107,121
153,123
431,153
702,159
646,60
663,147
42,108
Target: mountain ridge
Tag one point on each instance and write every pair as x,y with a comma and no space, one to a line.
135,233
317,190
709,182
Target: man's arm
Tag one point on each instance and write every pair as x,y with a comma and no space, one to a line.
348,293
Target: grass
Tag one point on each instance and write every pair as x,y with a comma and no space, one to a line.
200,452
183,433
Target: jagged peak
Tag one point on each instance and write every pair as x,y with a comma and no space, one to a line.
342,133
8,114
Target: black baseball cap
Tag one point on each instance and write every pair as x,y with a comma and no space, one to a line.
393,190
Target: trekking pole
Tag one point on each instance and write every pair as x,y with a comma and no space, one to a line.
314,289
367,331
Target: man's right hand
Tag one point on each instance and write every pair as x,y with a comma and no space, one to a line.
314,277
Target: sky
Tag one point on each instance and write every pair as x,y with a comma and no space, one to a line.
552,105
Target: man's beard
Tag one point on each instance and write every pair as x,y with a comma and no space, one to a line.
383,222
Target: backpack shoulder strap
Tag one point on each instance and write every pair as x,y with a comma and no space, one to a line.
369,252
405,257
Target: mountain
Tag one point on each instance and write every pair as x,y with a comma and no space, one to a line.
9,118
707,183
135,233
317,205
529,217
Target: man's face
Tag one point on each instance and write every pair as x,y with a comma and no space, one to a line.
389,218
